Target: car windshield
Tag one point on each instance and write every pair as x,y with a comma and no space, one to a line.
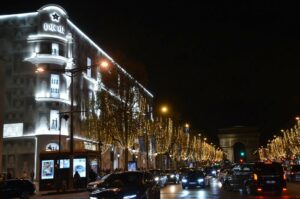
295,168
125,180
269,169
155,172
195,173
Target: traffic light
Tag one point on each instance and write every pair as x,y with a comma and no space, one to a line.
242,153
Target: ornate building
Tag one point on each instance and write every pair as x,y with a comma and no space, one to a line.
42,114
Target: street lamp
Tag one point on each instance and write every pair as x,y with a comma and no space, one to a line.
118,155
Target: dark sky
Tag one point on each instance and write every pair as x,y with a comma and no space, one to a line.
217,64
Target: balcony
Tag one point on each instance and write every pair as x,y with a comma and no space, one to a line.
48,97
37,58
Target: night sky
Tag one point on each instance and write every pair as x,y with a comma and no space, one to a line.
217,64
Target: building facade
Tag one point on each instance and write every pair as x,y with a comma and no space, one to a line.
46,112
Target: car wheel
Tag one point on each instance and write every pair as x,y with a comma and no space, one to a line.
158,194
24,195
278,193
227,186
249,191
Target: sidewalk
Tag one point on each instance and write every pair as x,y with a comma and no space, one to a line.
54,192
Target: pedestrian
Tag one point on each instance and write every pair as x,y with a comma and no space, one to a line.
32,175
9,176
92,175
25,175
76,180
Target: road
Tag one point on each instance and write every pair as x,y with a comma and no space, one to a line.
215,191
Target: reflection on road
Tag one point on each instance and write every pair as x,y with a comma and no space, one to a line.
215,191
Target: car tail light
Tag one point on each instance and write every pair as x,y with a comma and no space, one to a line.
284,177
255,177
259,189
284,189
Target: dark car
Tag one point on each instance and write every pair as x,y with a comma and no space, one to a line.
293,173
172,176
159,176
16,188
236,176
194,178
92,186
125,185
266,178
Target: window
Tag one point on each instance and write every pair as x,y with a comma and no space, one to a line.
54,86
54,49
54,120
89,64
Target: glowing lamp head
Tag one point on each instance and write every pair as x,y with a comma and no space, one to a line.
104,64
40,70
164,109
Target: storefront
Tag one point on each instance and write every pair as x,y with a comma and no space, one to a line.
55,169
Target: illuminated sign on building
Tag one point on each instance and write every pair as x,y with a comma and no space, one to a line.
52,147
13,130
51,27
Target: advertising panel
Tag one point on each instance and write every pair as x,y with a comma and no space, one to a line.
132,166
64,163
47,169
79,165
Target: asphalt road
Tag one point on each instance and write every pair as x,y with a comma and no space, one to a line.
215,191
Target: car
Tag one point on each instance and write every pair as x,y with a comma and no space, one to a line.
293,173
194,178
172,176
211,171
235,177
92,186
159,176
16,188
266,178
221,175
128,184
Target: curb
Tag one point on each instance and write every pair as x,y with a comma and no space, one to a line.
60,193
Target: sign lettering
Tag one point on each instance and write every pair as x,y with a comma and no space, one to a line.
54,28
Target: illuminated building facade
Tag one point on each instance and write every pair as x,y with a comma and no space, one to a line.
33,103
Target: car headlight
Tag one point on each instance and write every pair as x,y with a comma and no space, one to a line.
184,180
213,172
156,179
95,186
93,198
200,180
130,196
172,176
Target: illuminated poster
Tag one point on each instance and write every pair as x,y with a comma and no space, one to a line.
79,165
47,169
64,164
132,166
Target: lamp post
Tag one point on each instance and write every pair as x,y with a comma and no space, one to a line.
164,111
118,155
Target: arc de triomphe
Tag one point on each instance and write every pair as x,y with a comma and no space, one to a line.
237,138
